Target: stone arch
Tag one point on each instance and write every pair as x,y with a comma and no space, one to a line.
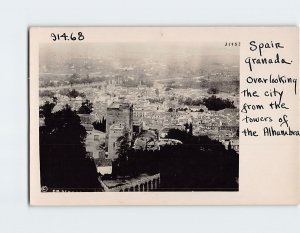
141,187
126,190
149,185
154,184
137,188
146,187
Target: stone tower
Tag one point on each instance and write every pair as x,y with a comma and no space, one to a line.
119,114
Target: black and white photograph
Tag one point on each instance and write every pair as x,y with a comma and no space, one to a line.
169,116
139,117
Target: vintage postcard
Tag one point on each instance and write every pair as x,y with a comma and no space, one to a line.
164,115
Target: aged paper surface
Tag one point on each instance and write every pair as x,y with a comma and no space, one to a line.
166,77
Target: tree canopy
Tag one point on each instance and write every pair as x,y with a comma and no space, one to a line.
63,161
100,125
47,93
212,102
213,90
199,164
215,103
86,107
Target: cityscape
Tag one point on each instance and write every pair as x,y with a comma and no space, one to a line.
139,117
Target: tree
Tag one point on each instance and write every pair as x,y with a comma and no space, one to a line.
199,164
47,84
203,166
124,146
73,93
100,125
179,134
188,101
64,164
191,129
213,90
216,104
74,78
121,165
47,93
187,137
86,107
54,100
186,125
46,109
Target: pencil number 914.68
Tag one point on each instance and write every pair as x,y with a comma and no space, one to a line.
67,37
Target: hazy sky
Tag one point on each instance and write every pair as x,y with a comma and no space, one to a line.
159,52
